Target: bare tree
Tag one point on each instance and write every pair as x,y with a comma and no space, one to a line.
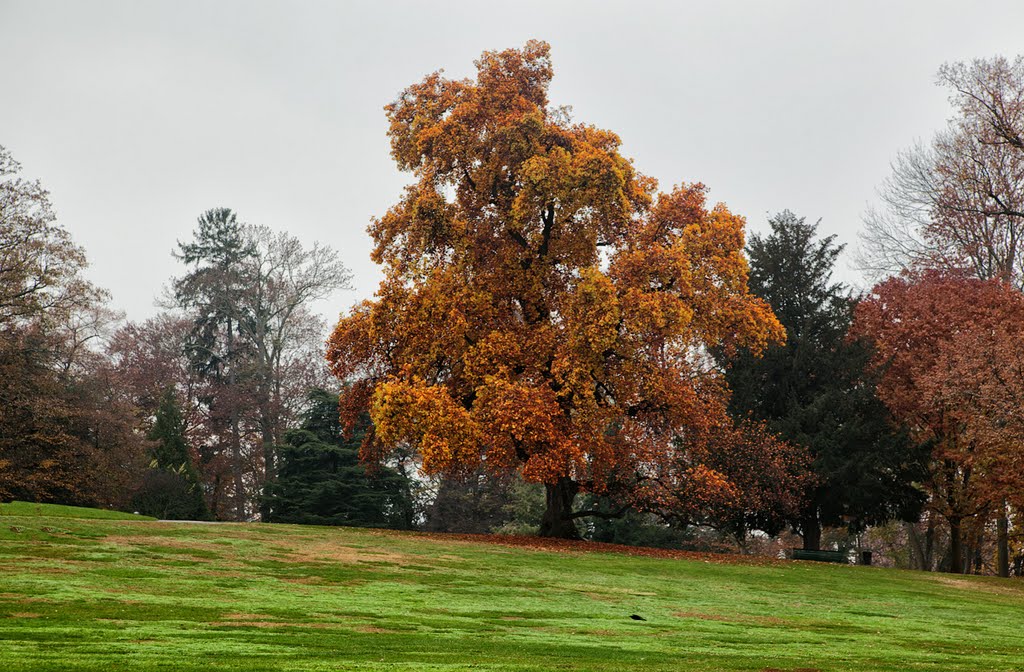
958,202
893,239
991,92
284,279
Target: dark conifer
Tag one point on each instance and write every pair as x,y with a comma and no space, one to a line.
323,482
815,390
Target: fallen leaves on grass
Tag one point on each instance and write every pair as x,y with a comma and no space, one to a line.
987,586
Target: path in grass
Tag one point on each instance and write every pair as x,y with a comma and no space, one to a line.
136,595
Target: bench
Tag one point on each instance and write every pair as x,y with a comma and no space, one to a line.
840,557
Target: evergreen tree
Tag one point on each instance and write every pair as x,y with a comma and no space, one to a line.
322,481
170,488
211,295
815,391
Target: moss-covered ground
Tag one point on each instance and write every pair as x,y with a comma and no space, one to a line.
107,595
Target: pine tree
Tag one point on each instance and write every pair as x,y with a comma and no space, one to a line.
322,481
815,390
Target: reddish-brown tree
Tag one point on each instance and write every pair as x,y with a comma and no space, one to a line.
949,350
733,477
65,436
958,202
541,309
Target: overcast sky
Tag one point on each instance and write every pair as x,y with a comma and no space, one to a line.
138,116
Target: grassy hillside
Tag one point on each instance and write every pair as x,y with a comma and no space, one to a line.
108,595
60,511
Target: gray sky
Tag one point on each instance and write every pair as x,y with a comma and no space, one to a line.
139,115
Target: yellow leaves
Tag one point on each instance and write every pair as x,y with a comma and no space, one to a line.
655,290
529,415
593,311
696,257
498,354
425,416
537,311
517,73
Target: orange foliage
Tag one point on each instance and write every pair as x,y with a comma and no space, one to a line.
542,308
734,477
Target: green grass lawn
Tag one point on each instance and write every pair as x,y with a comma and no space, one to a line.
60,511
110,595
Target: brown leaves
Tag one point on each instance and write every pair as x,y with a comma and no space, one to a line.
537,313
40,265
948,348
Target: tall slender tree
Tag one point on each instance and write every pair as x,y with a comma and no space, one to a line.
248,292
211,293
816,390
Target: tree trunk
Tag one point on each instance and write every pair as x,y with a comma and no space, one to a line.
956,549
970,557
215,498
236,434
268,424
557,521
811,528
929,544
1003,543
269,467
917,554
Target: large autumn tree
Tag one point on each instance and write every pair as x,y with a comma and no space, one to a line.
65,435
948,347
542,309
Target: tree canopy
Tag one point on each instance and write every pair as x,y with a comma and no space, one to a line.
543,308
65,435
